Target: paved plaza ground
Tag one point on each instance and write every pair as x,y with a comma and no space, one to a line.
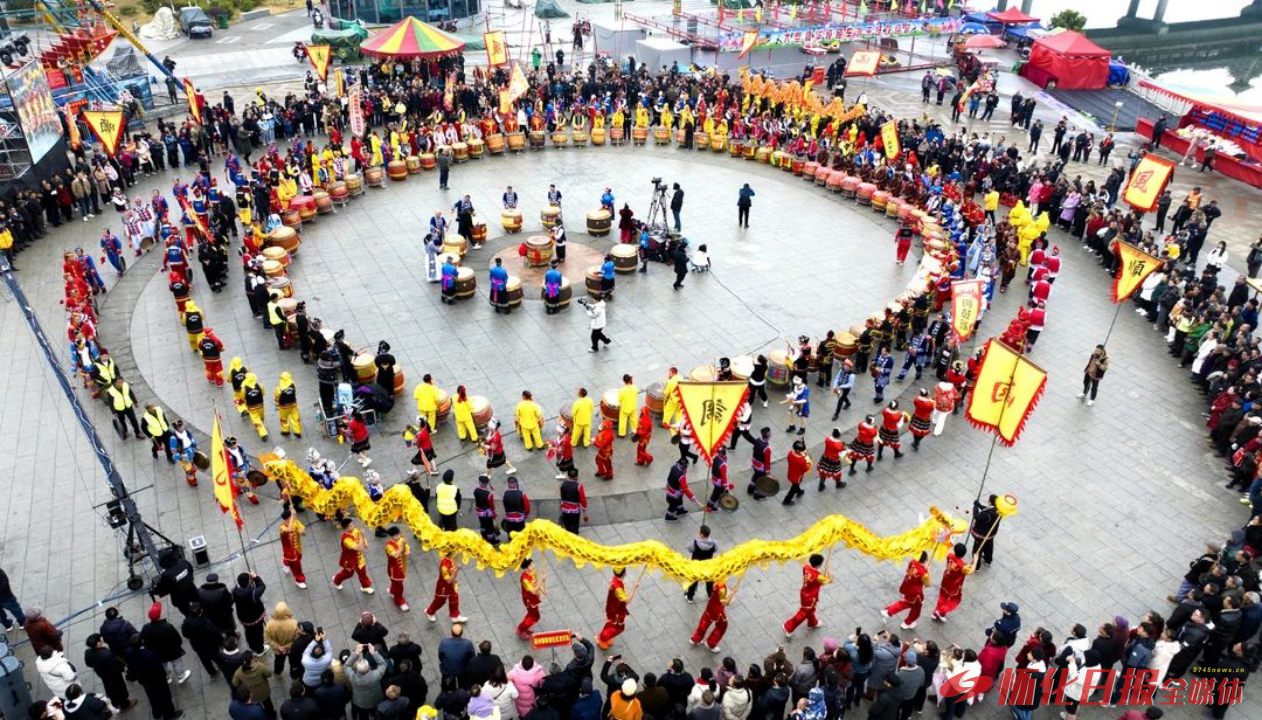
1114,498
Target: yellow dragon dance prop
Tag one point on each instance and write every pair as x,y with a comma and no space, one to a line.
398,505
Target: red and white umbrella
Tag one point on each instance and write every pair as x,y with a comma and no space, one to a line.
983,42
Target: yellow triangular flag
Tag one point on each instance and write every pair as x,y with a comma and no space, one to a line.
107,126
320,57
710,409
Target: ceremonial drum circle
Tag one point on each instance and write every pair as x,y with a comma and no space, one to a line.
538,250
625,258
598,222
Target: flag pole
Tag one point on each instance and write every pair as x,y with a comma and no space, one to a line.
994,440
236,511
1109,334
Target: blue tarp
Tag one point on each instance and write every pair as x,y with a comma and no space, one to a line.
1023,31
974,28
1119,74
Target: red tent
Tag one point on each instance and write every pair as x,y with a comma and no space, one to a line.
1073,61
1011,16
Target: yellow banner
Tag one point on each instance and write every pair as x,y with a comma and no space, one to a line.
220,473
710,408
747,42
339,82
1008,388
517,84
399,505
506,103
864,62
108,127
966,307
190,94
320,57
889,138
1147,182
496,48
1135,267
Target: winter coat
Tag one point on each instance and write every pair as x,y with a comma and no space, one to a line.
254,677
527,683
505,698
163,639
737,703
282,629
56,672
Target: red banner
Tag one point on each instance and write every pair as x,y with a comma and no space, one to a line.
551,639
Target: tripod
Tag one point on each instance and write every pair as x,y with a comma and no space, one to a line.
657,222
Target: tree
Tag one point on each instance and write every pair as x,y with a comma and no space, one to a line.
1070,20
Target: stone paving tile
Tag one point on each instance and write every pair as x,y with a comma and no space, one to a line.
1113,497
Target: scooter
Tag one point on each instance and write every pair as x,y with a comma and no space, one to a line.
300,51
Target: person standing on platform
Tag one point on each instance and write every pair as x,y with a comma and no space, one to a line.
291,532
951,589
573,502
286,397
581,417
397,553
532,591
446,592
715,614
915,580
529,419
814,577
352,561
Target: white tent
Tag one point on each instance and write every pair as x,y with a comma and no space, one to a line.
162,27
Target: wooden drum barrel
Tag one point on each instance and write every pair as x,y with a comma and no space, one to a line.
354,184
277,254
365,369
428,161
517,141
560,138
598,136
879,200
598,222
539,250
892,207
655,399
482,412
639,135
305,204
444,406
661,135
537,138
850,185
397,170
280,286
455,245
284,238
495,144
837,181
700,140
512,293
742,367
564,294
476,148
799,164
702,373
466,283
549,216
847,345
461,151
822,176
511,220
617,136
609,405
579,138
338,192
751,150
414,164
323,203
374,176
778,369
625,257
479,232
718,143
736,148
865,191
809,170
777,158
272,269
593,281
400,384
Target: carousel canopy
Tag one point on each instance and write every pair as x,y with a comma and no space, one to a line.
411,38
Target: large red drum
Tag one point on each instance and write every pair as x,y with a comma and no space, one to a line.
809,170
865,193
822,175
837,181
850,185
798,165
879,200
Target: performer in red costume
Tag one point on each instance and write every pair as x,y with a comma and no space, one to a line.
891,422
951,589
915,581
814,577
604,451
862,447
616,601
715,614
921,418
643,434
446,590
532,592
397,552
829,467
352,560
291,531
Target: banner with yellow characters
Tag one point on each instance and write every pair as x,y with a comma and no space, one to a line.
934,535
1135,267
1008,388
496,48
107,126
791,95
190,94
320,57
864,62
517,83
221,474
889,138
710,409
1147,182
966,307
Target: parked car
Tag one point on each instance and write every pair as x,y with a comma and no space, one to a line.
196,23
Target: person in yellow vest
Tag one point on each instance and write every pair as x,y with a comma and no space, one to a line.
158,430
992,204
426,395
276,320
103,373
254,404
670,402
581,416
447,499
286,397
462,411
6,244
529,419
123,403
626,405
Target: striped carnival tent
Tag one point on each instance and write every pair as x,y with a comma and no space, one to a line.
411,38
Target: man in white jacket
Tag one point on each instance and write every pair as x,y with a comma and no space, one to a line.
596,315
55,670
